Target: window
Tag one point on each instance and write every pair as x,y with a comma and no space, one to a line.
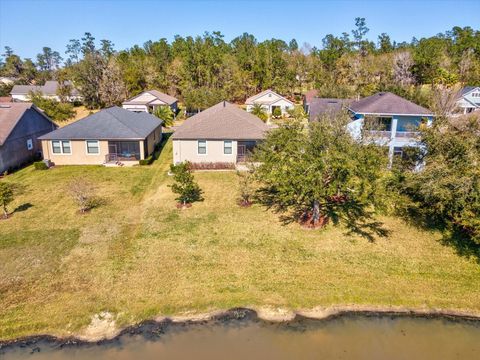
92,147
202,147
61,147
397,151
227,147
29,144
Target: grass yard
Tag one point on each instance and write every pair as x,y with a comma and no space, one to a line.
138,256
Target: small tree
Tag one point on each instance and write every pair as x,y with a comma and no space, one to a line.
246,190
166,114
259,112
6,196
277,112
83,193
185,186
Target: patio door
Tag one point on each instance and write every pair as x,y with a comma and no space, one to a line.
241,152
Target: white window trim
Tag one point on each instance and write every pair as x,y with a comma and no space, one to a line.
206,148
231,142
61,148
86,148
29,144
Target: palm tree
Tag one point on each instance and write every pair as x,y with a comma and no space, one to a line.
166,114
259,112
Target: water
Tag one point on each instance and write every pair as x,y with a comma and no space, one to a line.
346,337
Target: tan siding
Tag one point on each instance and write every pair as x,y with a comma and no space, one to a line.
78,156
186,150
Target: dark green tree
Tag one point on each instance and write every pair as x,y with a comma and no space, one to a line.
184,184
319,174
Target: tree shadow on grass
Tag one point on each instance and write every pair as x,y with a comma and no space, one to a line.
463,245
23,207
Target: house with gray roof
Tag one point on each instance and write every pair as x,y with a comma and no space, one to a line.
321,107
223,133
21,124
149,100
48,91
396,120
468,100
112,136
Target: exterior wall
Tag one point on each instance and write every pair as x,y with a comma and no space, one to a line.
186,150
153,139
400,126
14,152
136,107
78,154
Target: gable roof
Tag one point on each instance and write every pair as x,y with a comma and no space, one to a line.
10,116
251,99
108,124
465,90
326,106
50,88
386,103
167,99
222,121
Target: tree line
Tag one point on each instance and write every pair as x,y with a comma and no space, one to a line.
205,69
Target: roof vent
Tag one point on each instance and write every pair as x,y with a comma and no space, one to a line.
5,106
224,103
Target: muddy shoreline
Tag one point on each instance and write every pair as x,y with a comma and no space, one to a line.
154,328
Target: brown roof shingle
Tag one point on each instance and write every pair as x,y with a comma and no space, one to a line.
222,121
386,103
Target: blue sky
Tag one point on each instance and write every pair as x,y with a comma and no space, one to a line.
27,25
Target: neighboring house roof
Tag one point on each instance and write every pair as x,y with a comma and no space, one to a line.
465,90
222,121
11,114
167,99
113,123
253,99
50,88
326,106
386,103
310,95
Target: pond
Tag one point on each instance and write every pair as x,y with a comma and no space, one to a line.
342,337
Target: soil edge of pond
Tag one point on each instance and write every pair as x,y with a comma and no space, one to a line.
265,314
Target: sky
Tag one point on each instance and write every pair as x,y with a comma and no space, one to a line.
28,25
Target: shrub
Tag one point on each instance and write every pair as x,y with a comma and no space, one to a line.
83,193
6,197
212,166
40,165
147,161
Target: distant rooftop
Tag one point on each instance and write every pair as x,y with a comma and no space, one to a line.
386,103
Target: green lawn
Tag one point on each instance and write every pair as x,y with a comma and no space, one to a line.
137,256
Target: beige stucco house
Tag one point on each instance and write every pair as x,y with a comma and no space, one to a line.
112,136
149,100
222,133
269,100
